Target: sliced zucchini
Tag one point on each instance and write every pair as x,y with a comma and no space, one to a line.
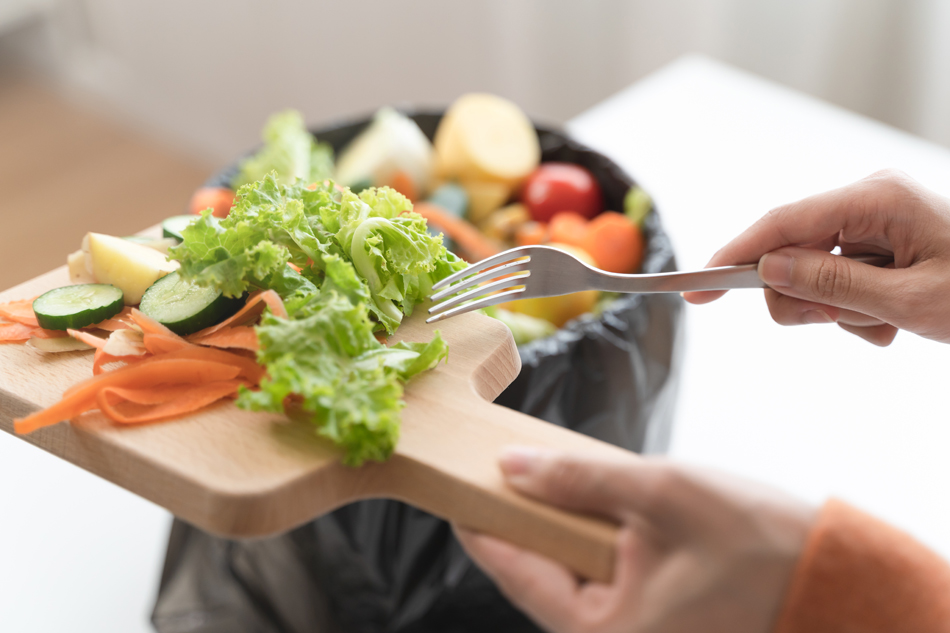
73,307
185,307
173,226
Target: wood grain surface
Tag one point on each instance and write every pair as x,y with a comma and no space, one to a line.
245,474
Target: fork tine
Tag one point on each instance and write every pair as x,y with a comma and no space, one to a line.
490,300
513,280
505,269
494,260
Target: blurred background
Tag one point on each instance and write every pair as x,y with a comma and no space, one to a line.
166,91
112,112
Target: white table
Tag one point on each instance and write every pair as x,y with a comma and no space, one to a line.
811,410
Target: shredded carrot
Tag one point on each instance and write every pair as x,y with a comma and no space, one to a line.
87,338
158,406
240,337
41,333
121,321
249,313
463,233
150,372
148,325
102,358
20,311
10,332
162,343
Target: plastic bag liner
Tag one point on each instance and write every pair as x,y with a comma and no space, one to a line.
383,566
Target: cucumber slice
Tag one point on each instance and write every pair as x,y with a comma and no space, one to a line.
185,307
173,226
73,307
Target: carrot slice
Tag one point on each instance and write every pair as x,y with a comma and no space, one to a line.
87,338
133,411
248,368
20,311
10,332
463,233
154,371
615,242
240,337
568,227
249,313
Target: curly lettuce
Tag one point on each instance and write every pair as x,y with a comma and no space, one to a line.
364,261
290,151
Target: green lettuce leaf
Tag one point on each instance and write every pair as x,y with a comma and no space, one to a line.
290,151
348,383
365,261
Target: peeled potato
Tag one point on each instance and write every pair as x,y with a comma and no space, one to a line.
484,197
483,137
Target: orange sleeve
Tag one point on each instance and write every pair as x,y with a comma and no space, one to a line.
860,575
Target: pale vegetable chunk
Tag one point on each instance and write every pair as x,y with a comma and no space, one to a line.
485,137
78,273
392,143
126,265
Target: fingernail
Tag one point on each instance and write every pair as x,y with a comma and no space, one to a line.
817,317
519,460
775,269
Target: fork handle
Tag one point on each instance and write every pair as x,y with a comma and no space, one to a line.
722,278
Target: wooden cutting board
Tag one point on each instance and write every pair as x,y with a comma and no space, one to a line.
244,474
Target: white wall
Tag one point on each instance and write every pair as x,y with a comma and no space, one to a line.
205,73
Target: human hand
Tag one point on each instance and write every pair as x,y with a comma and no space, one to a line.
697,551
886,213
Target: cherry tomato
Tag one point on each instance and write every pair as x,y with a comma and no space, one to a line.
556,187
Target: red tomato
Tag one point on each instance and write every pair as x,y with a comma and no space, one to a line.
556,187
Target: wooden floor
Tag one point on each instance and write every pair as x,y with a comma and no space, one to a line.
65,171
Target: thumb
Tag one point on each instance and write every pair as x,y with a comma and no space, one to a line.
834,280
609,487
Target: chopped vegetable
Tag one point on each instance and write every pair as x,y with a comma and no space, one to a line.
531,234
128,266
79,273
57,344
614,242
252,310
557,187
20,311
73,307
124,343
218,199
637,204
10,332
484,197
184,307
391,151
173,226
290,151
487,138
88,338
239,337
568,227
82,397
126,406
451,197
468,238
502,224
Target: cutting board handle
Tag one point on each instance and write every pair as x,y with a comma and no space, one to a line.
451,470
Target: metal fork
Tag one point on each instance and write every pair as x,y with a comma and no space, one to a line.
543,271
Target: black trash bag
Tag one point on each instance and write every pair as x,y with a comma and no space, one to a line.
383,566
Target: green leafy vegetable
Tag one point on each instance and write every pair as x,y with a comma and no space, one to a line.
365,261
290,150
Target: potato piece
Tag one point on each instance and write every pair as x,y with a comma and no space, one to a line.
487,138
126,265
78,274
484,197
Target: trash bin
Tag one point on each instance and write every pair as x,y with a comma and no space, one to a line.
383,566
